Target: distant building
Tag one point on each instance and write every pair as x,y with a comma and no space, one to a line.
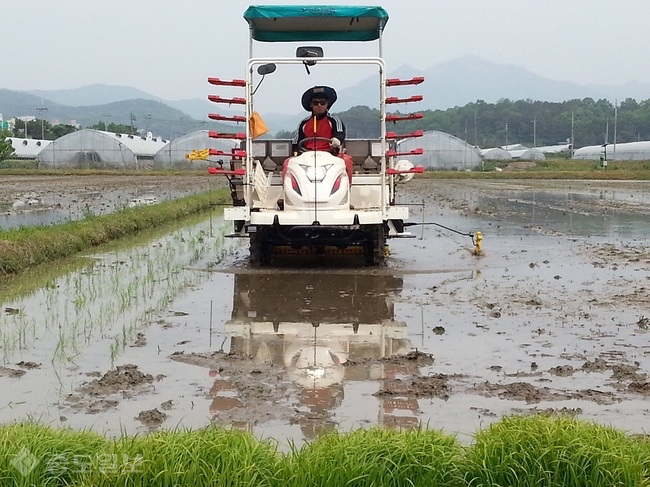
6,124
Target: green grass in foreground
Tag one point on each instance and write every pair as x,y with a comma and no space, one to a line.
27,247
515,452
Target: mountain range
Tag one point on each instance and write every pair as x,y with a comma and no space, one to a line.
448,84
468,79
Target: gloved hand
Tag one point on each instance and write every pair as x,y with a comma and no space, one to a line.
335,143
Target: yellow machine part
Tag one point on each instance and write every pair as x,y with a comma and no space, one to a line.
478,239
198,155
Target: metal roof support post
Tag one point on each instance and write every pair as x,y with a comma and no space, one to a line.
248,160
382,135
381,32
250,41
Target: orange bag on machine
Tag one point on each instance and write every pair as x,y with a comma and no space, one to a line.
257,125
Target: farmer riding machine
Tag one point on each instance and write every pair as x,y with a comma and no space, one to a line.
289,199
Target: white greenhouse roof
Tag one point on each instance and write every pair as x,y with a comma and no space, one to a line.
27,148
141,146
630,151
177,152
88,149
554,149
441,151
513,147
495,154
528,155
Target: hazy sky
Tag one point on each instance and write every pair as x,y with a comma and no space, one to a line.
169,47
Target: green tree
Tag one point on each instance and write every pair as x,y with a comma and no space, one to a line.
284,134
34,129
116,128
61,129
361,122
536,122
6,149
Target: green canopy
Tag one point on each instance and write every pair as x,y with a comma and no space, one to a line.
288,23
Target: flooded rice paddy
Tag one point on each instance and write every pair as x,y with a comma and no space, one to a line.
175,329
45,200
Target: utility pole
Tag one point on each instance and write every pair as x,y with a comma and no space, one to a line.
615,120
132,120
465,146
572,140
534,131
506,135
475,132
40,111
25,119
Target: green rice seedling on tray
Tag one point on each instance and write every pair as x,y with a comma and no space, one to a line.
553,452
36,455
376,457
207,457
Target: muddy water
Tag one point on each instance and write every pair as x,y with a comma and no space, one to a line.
44,200
553,316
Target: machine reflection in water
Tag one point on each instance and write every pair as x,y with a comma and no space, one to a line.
324,331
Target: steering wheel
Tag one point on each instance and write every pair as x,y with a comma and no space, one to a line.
301,144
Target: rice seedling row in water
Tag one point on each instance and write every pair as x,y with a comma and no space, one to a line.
514,452
136,283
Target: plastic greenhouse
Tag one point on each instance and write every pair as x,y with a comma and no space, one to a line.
176,153
495,154
100,150
555,149
630,151
442,151
528,155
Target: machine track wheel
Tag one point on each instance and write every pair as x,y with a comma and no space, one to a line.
260,249
374,248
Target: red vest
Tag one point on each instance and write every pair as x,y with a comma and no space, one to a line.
323,129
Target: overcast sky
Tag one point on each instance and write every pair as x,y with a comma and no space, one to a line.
169,47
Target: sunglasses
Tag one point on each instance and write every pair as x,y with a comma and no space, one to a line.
318,102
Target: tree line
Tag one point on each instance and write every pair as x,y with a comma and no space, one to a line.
42,129
527,122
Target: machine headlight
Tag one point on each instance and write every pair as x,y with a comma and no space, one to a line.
316,173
